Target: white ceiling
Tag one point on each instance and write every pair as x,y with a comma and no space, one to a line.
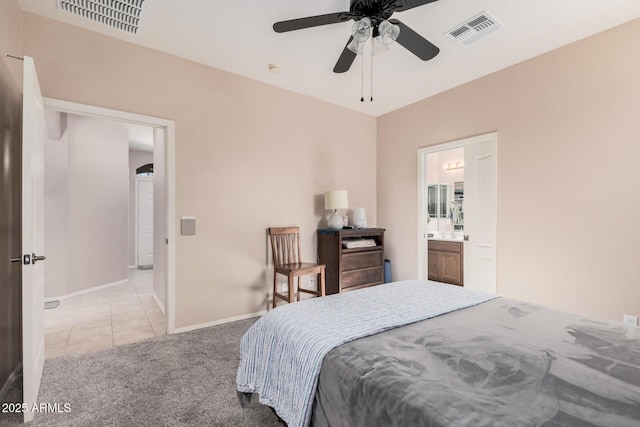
237,36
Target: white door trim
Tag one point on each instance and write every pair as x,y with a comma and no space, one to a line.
422,200
169,126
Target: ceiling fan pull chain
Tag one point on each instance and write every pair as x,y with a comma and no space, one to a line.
362,79
371,80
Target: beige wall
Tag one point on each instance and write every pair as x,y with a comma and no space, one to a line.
248,156
137,158
568,147
56,207
11,37
86,203
98,202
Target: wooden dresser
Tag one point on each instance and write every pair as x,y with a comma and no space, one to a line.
446,262
354,268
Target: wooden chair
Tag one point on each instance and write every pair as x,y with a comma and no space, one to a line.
285,247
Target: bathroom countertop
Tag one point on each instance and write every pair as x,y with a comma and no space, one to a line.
447,239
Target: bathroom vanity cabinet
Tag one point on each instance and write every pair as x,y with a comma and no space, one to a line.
446,262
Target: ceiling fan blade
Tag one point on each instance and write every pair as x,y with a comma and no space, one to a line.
415,43
410,4
311,21
346,59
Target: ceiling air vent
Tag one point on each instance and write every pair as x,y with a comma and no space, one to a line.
474,29
123,15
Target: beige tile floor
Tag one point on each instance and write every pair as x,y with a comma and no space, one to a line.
118,315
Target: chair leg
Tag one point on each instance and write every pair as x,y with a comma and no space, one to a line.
275,289
321,282
298,295
291,292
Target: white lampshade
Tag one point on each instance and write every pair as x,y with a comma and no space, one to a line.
336,199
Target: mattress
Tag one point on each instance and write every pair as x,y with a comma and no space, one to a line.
499,363
282,353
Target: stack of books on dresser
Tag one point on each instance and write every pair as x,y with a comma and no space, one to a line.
358,243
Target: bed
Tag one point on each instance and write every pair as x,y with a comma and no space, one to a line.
420,353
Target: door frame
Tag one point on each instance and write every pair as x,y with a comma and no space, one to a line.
170,206
491,137
137,213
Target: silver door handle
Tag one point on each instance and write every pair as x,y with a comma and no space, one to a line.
35,258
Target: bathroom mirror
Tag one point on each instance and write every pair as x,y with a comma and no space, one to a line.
458,199
445,202
437,200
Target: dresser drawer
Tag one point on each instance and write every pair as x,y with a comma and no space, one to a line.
371,275
356,261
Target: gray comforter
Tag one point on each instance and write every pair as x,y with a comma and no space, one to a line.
501,363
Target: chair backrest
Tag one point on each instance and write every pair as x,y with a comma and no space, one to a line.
285,245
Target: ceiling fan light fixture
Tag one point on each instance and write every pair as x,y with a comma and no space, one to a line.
361,30
388,32
356,47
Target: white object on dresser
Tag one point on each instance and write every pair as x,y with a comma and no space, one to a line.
359,218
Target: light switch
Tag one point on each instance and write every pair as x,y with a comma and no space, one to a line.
188,225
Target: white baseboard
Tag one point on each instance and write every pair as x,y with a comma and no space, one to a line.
219,322
160,305
10,380
87,291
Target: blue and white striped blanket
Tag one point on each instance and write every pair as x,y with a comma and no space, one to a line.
281,354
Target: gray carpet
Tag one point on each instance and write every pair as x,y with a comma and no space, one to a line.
174,380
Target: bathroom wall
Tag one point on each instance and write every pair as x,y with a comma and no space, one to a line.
449,156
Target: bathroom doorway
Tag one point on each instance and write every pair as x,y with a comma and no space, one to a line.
457,212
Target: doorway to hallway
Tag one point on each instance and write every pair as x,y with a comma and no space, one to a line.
164,244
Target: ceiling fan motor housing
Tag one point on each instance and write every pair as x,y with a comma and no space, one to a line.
376,11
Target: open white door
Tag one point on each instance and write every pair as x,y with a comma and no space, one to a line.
144,220
32,237
480,211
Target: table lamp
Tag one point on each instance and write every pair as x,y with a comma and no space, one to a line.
334,200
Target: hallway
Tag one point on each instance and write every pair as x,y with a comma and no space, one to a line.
118,315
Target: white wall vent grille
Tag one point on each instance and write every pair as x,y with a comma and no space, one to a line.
123,15
474,29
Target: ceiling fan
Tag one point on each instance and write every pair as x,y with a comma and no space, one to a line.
372,17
